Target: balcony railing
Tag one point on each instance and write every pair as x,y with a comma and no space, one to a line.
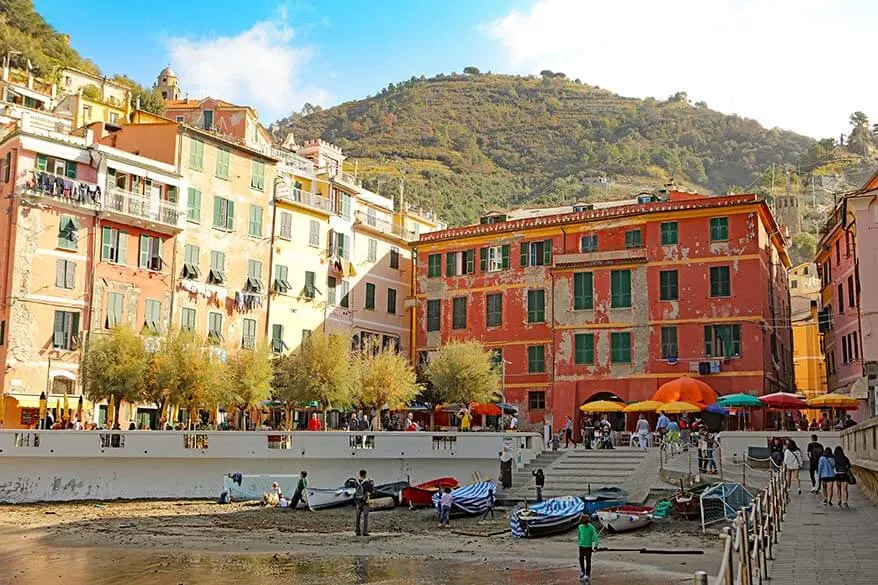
602,257
303,198
141,207
343,177
384,226
64,189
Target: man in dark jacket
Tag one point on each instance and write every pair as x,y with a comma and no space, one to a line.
364,491
815,451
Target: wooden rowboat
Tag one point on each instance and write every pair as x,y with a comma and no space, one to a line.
626,518
421,495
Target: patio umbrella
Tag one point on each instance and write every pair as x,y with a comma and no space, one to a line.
679,407
717,408
685,389
783,401
643,406
79,409
111,411
485,409
65,413
740,400
2,408
841,401
602,406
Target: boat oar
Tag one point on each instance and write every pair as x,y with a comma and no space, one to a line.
655,551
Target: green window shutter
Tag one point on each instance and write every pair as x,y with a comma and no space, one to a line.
70,169
144,252
449,264
74,324
218,212
106,244
494,310
370,295
669,233
547,252
525,247
669,342
483,259
583,291
60,266
391,301
434,315
668,290
193,206
470,261
536,359
42,164
122,250
458,314
583,348
620,289
620,347
708,340
719,229
330,289
505,253
230,220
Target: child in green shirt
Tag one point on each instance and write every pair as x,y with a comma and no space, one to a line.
588,542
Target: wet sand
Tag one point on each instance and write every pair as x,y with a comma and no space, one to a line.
155,541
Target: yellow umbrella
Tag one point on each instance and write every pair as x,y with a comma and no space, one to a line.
602,406
2,408
57,410
679,407
66,408
644,406
43,406
111,411
834,401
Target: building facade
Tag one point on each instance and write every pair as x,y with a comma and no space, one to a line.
808,363
612,300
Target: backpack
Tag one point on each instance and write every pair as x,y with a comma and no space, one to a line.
361,494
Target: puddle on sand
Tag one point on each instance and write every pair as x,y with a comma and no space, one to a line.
82,566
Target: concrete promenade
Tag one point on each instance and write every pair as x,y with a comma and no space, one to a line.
823,544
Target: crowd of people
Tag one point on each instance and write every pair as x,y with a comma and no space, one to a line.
829,469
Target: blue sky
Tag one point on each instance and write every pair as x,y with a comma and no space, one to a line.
787,63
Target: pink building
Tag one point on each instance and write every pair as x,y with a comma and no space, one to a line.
848,264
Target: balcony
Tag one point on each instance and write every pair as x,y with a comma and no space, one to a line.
344,178
151,213
383,227
303,198
597,258
63,190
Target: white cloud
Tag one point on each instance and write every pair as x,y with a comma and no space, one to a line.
796,64
260,67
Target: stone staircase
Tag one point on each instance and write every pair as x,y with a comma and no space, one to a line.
575,471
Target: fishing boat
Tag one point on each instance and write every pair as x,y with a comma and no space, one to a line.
322,498
421,495
469,500
626,518
606,497
553,516
249,488
391,490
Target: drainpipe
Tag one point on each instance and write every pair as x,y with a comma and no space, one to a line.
271,259
413,354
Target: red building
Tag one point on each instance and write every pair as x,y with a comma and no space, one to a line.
613,299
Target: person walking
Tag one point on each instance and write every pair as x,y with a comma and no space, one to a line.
491,500
540,482
445,501
815,451
301,487
586,430
363,493
568,433
505,468
661,427
588,543
792,460
826,473
843,475
642,432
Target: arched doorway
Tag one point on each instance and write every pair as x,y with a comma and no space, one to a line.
616,419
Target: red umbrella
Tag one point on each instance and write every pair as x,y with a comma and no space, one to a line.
784,401
485,409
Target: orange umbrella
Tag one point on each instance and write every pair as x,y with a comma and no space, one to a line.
485,409
685,389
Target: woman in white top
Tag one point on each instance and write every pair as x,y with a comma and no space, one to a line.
792,460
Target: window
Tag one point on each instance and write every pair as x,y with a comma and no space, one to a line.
494,310
583,291
434,265
193,206
223,213
434,314
794,283
852,299
255,221
66,332
620,347
68,232
459,263
248,340
114,245
583,346
720,283
620,289
838,252
65,274
391,301
668,285
217,267
150,253
222,163
394,257
494,259
344,205
310,290
633,239
536,306
56,166
282,279
536,359
215,327
207,120
856,345
722,341
286,225
338,244
6,168
277,339
314,233
370,217
2,332
330,290
152,315
588,243
187,319
257,175
536,400
254,282
306,336
191,262
115,309
844,350
669,342
669,233
373,250
458,313
345,292
840,299
370,296
719,229
536,253
196,154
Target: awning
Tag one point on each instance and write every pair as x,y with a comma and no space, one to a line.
26,400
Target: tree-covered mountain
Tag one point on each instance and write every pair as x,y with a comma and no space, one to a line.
467,143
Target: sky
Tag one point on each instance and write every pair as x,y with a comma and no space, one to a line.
797,64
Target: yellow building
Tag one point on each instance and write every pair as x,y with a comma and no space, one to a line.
808,363
88,98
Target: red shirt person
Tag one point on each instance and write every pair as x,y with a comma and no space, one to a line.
314,423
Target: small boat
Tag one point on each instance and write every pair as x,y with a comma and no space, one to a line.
553,516
687,503
421,495
607,497
391,490
626,518
322,498
469,500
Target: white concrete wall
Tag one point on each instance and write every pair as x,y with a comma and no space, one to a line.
735,443
73,465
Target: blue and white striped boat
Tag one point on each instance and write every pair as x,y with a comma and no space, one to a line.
469,500
552,516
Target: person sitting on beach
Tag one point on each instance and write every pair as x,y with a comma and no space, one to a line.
272,496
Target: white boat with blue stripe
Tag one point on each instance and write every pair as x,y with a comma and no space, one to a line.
469,500
553,516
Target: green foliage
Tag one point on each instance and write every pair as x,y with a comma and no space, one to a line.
150,99
249,375
803,248
469,143
472,70
114,365
320,370
463,372
385,380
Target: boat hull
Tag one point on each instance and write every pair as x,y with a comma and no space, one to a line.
421,495
552,516
626,518
469,500
323,498
391,490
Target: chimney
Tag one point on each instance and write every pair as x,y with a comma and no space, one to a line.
137,105
6,68
30,79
